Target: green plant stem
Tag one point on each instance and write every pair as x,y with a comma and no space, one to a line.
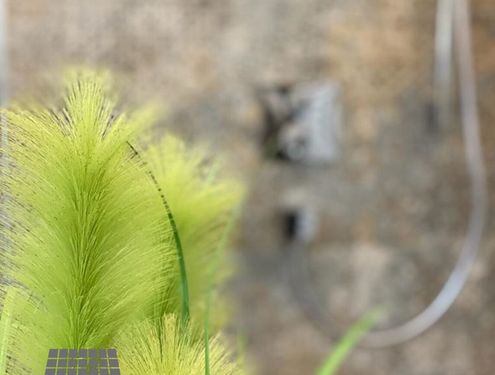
178,244
347,343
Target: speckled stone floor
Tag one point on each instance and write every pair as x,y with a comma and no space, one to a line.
392,210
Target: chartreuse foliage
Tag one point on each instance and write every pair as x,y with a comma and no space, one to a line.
174,349
7,327
202,202
89,244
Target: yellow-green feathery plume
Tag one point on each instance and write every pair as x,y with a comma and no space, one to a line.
203,206
174,350
86,238
203,202
8,326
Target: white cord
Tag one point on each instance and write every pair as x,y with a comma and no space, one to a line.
442,74
476,171
460,20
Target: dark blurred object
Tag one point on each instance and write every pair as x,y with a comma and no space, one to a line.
301,220
303,123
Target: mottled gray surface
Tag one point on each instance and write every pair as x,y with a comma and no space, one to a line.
392,211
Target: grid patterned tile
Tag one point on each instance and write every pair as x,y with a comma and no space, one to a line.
82,362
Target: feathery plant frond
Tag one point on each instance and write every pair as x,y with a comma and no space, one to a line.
93,249
202,205
184,285
7,326
202,202
174,350
87,235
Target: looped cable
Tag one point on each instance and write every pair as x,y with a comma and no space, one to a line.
455,18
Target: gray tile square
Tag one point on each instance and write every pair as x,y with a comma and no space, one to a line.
82,362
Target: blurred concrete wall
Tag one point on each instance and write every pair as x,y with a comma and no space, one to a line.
393,210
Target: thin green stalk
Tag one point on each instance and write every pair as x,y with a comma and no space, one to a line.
178,244
347,343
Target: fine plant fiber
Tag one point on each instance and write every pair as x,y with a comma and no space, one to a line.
202,208
174,350
184,285
334,361
7,325
202,201
86,237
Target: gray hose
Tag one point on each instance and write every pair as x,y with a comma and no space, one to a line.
476,171
458,12
442,75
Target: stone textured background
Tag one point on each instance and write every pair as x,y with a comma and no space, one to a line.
392,210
